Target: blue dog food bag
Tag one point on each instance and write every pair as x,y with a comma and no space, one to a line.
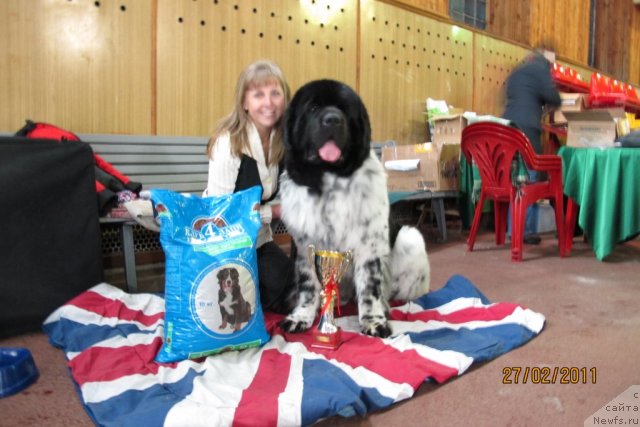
212,299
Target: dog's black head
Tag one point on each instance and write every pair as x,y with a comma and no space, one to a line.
327,129
228,278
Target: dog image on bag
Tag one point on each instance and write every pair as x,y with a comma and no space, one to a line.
334,196
234,310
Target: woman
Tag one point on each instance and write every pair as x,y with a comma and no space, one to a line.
245,150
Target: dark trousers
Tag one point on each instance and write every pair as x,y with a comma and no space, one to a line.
275,273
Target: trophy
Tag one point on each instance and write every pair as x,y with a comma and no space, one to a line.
329,267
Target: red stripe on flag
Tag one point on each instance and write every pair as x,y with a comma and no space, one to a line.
109,308
394,365
376,356
258,405
108,364
484,314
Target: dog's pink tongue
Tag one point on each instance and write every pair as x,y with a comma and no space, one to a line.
329,152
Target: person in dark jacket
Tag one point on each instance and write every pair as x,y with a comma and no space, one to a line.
529,89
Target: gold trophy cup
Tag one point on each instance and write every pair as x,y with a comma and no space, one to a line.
329,267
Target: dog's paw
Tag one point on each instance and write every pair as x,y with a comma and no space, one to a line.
294,325
376,329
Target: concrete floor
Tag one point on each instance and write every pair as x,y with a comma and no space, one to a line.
593,322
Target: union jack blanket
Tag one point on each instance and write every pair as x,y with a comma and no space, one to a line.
110,339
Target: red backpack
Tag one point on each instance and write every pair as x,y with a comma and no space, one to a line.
109,180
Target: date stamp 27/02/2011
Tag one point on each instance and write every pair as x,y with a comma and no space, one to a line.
549,375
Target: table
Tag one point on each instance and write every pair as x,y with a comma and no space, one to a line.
437,204
605,183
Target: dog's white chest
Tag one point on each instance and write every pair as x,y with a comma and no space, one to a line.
346,212
227,302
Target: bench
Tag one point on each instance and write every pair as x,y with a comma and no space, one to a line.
176,163
180,164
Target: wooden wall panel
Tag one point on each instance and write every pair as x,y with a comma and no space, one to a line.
439,7
203,47
493,62
75,64
169,67
406,58
612,54
565,24
510,19
634,52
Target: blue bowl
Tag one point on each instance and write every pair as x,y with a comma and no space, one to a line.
17,370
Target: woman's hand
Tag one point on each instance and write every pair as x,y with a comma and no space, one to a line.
275,211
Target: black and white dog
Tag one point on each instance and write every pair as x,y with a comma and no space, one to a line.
334,195
234,309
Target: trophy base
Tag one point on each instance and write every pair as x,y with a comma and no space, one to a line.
328,341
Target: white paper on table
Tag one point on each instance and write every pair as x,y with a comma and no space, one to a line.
402,165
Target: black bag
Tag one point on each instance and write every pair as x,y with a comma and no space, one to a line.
50,248
109,180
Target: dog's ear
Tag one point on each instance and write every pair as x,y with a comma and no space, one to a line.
234,274
221,274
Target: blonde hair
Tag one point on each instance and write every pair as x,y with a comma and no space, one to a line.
255,75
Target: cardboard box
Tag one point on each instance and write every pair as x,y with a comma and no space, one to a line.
438,167
634,122
448,129
570,102
592,128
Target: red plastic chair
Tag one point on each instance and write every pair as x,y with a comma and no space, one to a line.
605,92
567,79
579,84
492,147
632,100
557,72
631,92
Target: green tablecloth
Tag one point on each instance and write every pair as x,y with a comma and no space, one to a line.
469,182
605,183
470,185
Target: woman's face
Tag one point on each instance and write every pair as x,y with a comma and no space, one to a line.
265,105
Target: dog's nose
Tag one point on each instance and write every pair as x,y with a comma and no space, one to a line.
331,119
